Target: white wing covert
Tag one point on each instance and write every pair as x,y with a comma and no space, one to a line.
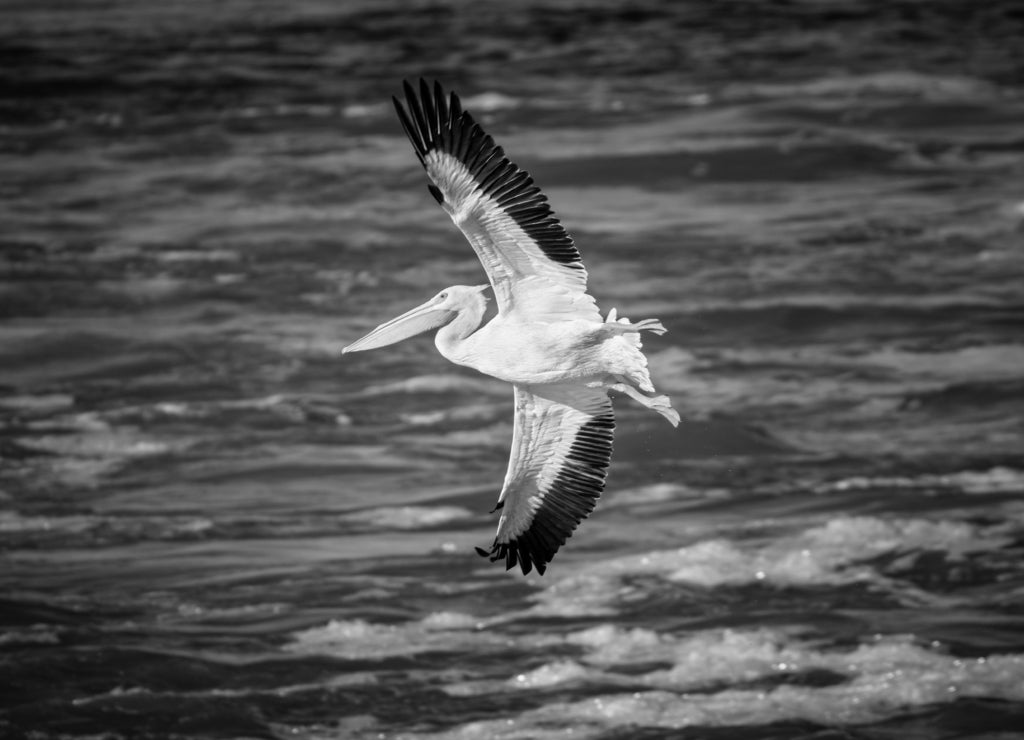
561,449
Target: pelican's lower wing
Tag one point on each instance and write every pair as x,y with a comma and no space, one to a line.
561,447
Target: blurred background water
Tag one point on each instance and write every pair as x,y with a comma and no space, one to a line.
213,525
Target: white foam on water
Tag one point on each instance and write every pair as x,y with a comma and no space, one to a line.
120,693
710,657
82,448
290,409
834,553
127,526
437,383
409,517
990,362
35,635
873,681
198,255
887,83
656,493
76,472
880,380
557,674
489,101
190,610
700,128
29,404
999,479
550,674
11,522
899,680
437,632
462,413
493,429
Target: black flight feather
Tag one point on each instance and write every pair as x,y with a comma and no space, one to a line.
436,123
568,501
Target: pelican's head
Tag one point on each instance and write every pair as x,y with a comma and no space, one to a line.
435,313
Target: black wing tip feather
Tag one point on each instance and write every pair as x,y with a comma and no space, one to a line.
434,122
568,502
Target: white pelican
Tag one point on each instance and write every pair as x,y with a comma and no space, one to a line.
548,339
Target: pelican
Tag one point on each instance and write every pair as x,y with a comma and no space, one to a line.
548,338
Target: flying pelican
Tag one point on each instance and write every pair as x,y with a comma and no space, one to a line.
548,339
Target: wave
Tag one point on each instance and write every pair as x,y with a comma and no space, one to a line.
712,678
409,517
843,551
889,83
998,480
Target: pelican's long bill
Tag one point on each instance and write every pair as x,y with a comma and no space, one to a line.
423,318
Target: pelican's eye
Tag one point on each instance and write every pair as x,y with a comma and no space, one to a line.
443,296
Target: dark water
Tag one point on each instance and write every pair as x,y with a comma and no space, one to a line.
213,525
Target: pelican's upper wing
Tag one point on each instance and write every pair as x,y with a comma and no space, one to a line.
529,258
561,447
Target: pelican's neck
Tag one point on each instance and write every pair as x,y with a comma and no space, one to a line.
451,336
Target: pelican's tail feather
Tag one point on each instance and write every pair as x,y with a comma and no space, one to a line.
652,325
625,338
661,404
614,324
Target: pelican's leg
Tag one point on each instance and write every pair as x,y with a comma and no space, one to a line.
661,404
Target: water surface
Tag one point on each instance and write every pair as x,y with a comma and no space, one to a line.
214,525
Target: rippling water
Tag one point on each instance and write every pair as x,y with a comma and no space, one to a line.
213,525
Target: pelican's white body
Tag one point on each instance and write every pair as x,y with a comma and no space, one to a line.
525,351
